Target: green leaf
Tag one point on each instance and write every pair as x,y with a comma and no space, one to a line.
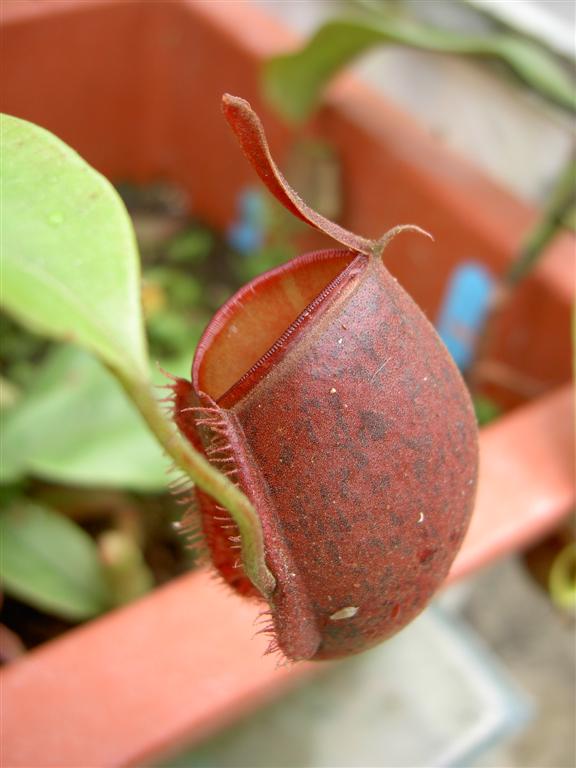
127,573
486,409
562,579
77,426
293,82
569,220
9,393
192,246
561,202
70,266
51,563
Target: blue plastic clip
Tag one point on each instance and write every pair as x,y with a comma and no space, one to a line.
464,311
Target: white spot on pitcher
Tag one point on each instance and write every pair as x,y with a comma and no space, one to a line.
344,613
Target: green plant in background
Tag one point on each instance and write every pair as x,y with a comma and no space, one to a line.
67,430
71,273
51,562
562,579
294,82
76,426
559,213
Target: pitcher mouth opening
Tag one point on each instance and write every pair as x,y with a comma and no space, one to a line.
249,332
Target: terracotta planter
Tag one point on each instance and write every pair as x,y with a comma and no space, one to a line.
135,88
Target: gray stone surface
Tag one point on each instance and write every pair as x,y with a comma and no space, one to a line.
537,646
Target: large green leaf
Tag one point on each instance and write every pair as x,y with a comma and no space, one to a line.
78,426
70,266
51,563
293,82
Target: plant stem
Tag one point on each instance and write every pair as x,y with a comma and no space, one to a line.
562,201
209,479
